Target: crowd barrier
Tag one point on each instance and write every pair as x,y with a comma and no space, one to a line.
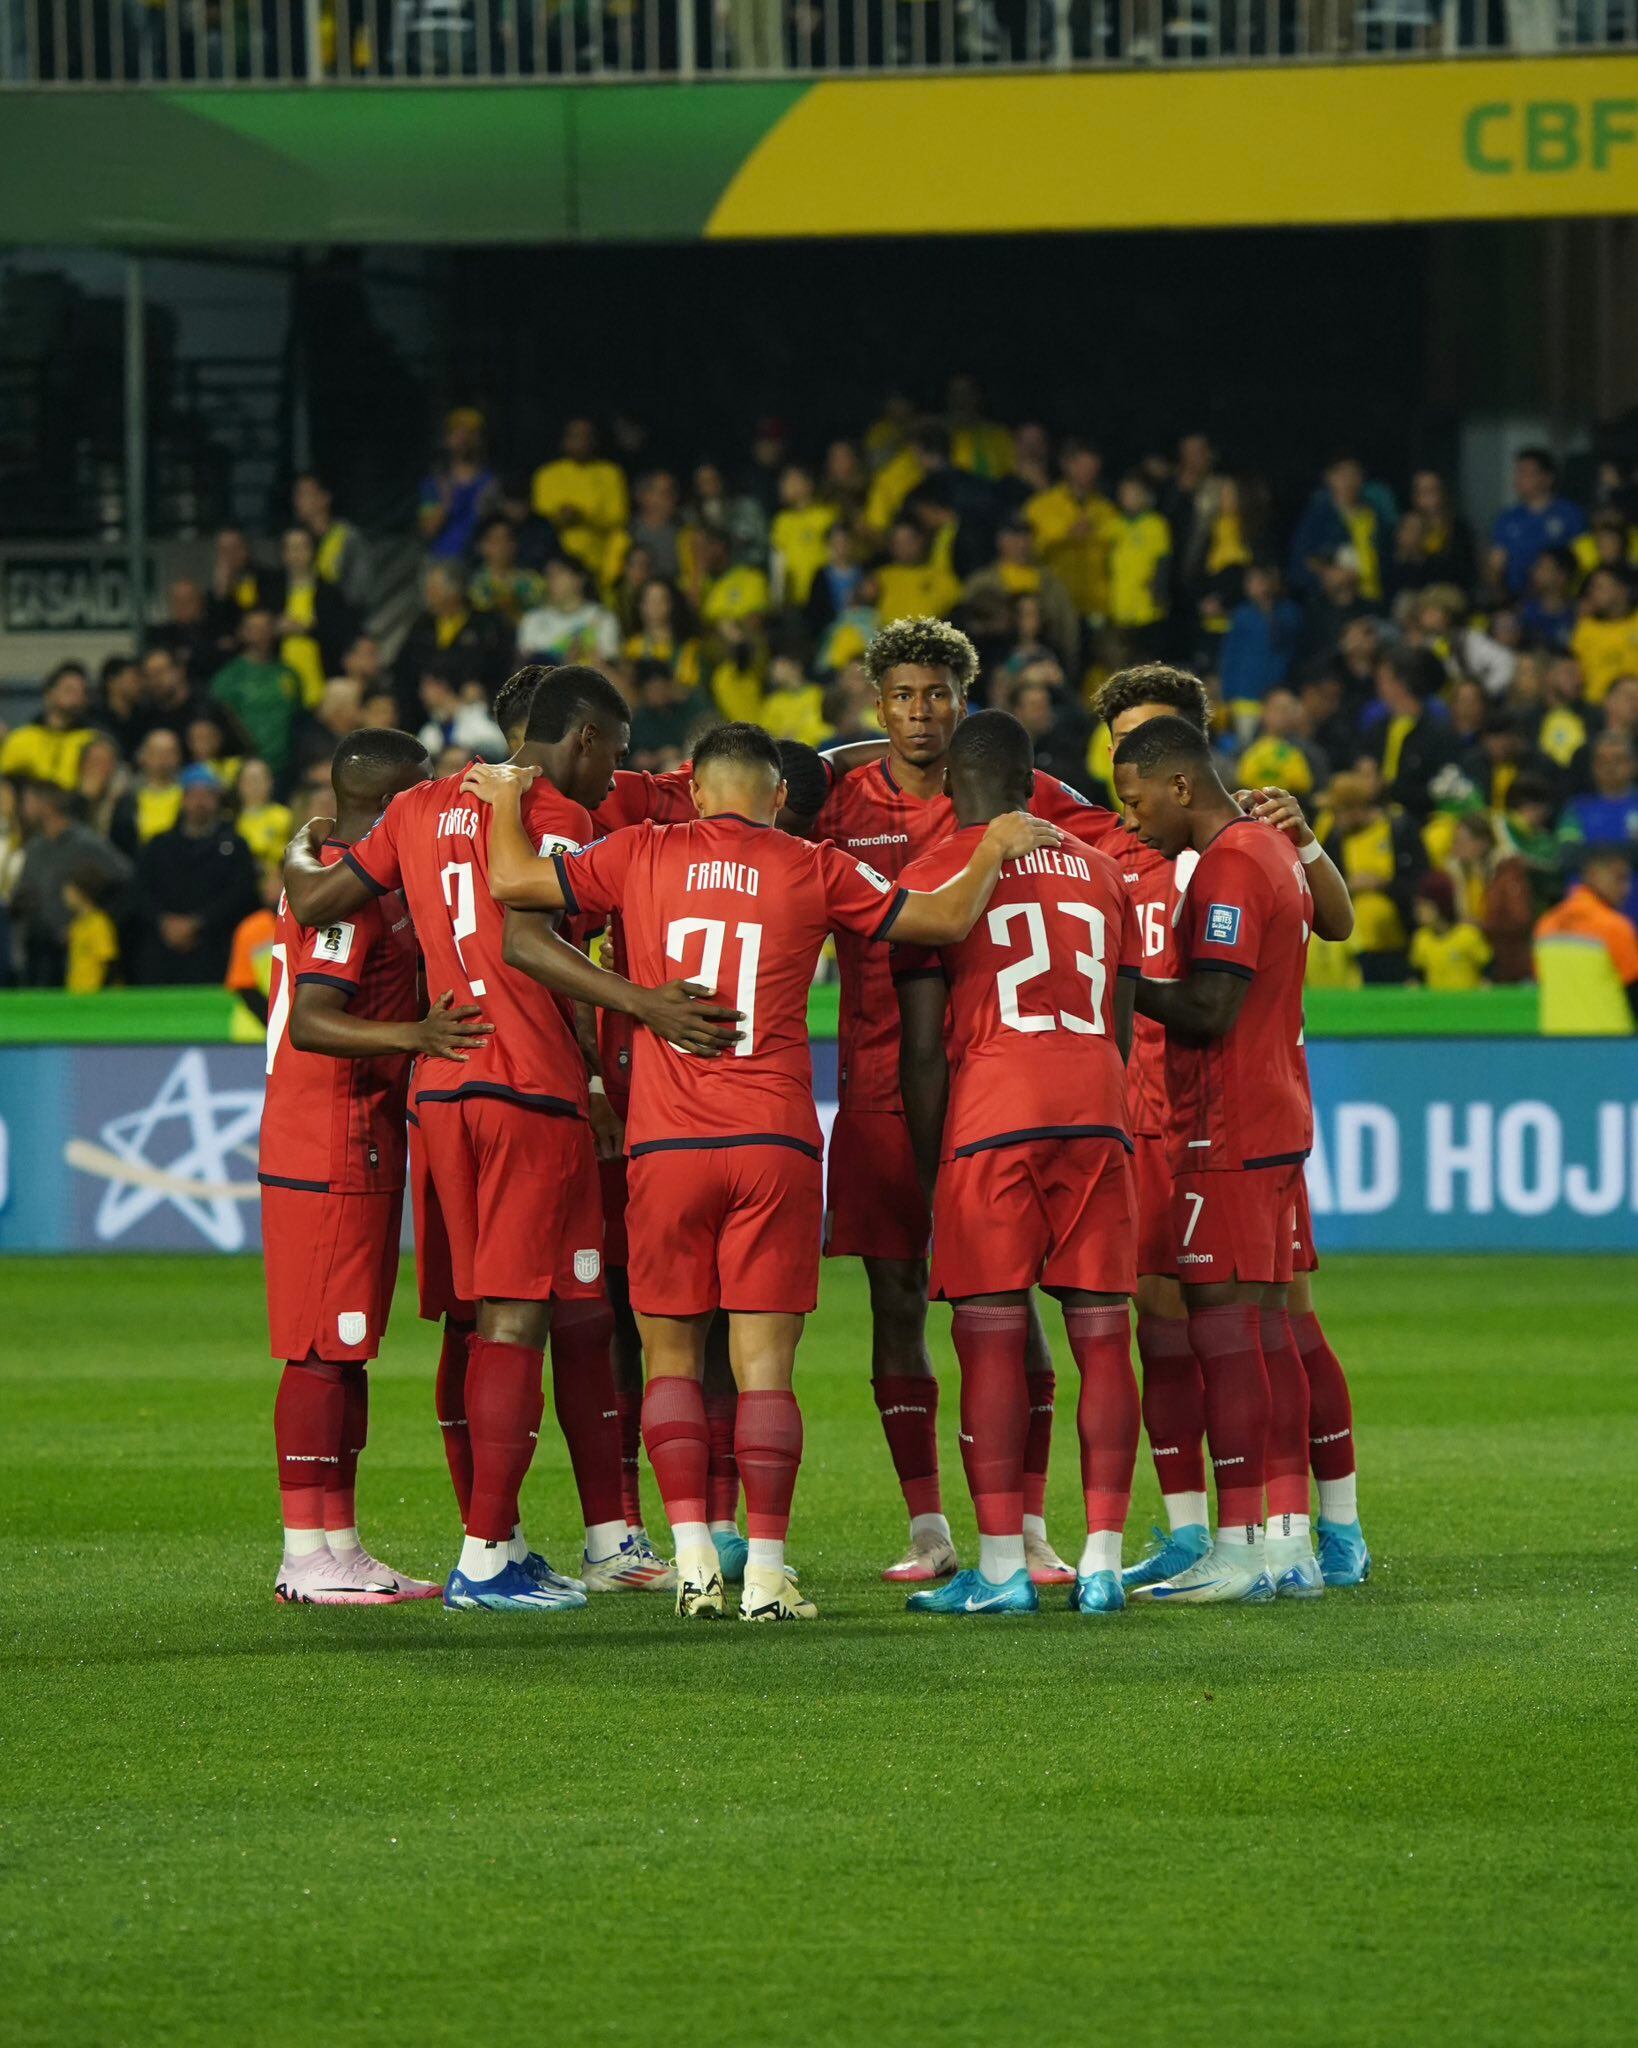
1449,1144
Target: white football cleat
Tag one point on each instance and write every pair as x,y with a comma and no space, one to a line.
633,1568
1235,1574
771,1594
1293,1567
928,1558
362,1564
699,1588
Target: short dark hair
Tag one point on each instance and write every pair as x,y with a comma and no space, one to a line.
1156,682
1419,669
932,438
920,642
1543,457
573,692
740,744
807,783
516,694
993,748
1164,743
1606,856
369,762
67,668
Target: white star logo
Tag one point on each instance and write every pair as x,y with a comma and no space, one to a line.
195,1179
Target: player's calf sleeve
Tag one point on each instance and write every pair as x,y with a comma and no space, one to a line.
341,1482
1285,1467
1043,1394
994,1412
1107,1414
678,1446
1330,1408
1174,1403
583,1395
722,1471
309,1415
450,1398
768,1448
504,1404
628,1412
1226,1343
908,1406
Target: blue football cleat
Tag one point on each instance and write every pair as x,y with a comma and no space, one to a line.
1344,1560
544,1575
1168,1555
732,1553
970,1592
513,1590
1097,1593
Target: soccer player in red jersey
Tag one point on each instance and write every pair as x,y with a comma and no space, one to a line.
889,813
1239,1125
724,1195
1317,1401
506,1134
1029,1154
344,1019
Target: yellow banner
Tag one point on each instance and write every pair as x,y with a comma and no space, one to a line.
1435,140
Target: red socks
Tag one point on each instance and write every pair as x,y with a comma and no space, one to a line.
628,1411
1043,1390
583,1395
1226,1343
1174,1404
340,1490
995,1418
451,1404
1286,1465
309,1424
504,1404
722,1470
1330,1410
1107,1416
678,1446
768,1447
908,1406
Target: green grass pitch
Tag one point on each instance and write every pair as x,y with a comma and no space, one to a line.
1401,1815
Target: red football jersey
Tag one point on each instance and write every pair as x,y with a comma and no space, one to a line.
870,815
1032,996
742,909
337,1126
637,798
1156,886
1243,1100
433,843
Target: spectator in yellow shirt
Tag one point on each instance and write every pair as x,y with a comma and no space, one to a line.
982,446
1447,952
1605,640
1074,524
338,550
585,498
800,532
48,748
1139,573
264,826
499,584
734,593
664,633
1016,573
908,583
153,803
890,486
92,942
793,708
1609,543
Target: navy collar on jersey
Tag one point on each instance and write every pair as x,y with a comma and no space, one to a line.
739,818
1227,826
899,790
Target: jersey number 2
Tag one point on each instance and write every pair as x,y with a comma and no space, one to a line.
713,935
1011,981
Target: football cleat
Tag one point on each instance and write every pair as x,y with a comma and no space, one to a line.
360,1561
927,1559
513,1590
553,1581
1344,1560
1293,1567
1168,1555
321,1579
970,1592
699,1589
1098,1593
633,1568
1236,1576
1045,1566
732,1552
770,1593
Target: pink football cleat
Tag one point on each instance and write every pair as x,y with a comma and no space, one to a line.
929,1557
1046,1567
321,1580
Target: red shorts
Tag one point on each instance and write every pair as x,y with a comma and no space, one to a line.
1055,1212
1157,1235
1236,1225
616,1248
874,1207
518,1193
331,1261
434,1275
729,1226
1304,1258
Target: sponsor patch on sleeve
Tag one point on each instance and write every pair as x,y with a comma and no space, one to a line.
1223,924
335,943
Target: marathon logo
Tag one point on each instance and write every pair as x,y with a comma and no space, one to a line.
881,839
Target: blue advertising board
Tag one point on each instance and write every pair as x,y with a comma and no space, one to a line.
1422,1145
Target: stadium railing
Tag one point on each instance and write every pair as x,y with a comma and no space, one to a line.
226,43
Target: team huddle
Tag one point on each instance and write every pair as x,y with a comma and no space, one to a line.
1070,1060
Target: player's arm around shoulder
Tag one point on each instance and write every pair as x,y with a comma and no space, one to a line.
1333,906
945,915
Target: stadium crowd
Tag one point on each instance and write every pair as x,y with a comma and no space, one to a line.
1457,710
